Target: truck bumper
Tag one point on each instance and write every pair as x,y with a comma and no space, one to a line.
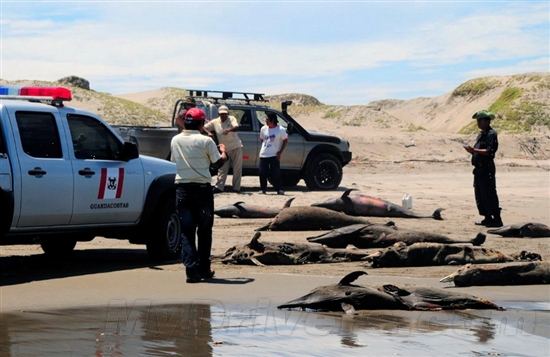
347,157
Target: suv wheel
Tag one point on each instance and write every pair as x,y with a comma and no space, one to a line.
324,172
164,239
57,245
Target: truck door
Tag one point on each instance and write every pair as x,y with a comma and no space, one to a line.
249,137
6,185
45,180
107,189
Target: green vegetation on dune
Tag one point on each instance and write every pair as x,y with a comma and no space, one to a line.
475,87
513,116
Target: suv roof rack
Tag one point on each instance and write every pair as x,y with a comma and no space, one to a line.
223,95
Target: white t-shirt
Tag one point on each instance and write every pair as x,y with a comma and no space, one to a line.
193,153
231,140
272,140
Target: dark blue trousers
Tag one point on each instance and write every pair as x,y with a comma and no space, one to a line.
195,208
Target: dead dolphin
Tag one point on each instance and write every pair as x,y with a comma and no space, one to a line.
349,298
429,254
522,230
307,218
363,205
383,235
517,274
243,210
269,253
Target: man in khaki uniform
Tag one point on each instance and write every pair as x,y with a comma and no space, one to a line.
225,127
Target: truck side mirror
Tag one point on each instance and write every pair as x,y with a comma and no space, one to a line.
289,128
129,151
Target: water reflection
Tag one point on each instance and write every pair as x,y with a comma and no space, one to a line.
206,328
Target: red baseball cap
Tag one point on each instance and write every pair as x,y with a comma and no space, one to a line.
195,114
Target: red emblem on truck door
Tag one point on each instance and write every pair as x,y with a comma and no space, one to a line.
111,183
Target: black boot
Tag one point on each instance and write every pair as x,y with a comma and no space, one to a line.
484,222
495,222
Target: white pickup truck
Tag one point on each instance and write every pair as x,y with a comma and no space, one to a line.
67,176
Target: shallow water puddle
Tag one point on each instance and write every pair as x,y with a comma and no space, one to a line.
210,329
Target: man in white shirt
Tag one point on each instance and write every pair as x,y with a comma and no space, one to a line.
225,127
274,140
193,153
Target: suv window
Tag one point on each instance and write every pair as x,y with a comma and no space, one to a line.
260,114
92,140
39,134
244,118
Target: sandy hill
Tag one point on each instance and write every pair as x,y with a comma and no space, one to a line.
398,131
522,103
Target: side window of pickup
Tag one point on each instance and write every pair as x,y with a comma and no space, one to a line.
260,114
243,118
39,134
92,140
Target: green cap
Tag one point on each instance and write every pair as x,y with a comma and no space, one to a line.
483,114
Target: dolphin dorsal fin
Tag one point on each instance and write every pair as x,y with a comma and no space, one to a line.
255,238
347,192
351,277
287,203
237,204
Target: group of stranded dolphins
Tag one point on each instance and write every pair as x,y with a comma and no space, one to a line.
343,218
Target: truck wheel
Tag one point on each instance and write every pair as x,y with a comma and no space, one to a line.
324,172
57,245
164,239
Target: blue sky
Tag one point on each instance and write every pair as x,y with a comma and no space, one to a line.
341,52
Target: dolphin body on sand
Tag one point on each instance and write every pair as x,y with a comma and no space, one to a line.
269,253
308,218
243,210
517,274
363,205
349,298
431,254
522,230
383,235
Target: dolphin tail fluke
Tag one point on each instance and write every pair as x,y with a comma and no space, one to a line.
479,239
437,214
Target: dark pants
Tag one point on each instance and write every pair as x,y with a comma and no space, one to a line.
485,190
270,167
195,208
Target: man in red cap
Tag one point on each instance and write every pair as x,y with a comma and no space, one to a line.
193,153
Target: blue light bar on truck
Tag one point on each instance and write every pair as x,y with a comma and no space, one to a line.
35,92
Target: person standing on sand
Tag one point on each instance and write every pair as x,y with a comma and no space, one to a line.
193,153
225,127
483,154
273,139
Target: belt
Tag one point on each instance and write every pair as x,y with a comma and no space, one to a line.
194,185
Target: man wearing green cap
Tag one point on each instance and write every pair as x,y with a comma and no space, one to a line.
483,154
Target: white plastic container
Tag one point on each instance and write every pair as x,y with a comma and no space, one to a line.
407,201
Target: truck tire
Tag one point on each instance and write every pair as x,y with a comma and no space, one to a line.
57,245
324,172
164,238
